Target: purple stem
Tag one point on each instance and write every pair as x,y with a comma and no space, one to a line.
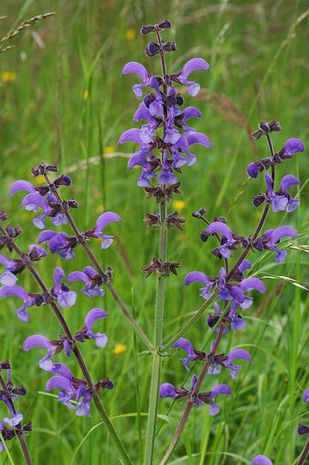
304,454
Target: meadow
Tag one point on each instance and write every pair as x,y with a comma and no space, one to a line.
63,100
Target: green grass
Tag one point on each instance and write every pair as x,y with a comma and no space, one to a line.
69,104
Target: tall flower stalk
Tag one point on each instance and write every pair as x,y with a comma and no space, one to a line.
166,132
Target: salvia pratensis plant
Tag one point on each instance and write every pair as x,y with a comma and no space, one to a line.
164,143
12,426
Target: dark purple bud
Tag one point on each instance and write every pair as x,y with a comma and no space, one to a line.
72,203
3,215
179,100
166,24
19,391
169,47
258,200
204,235
28,427
42,190
5,365
152,49
303,429
63,181
221,219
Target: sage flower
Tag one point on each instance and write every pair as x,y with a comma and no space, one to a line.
91,280
281,199
261,460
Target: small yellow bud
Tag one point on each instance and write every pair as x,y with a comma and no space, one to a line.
8,76
179,204
130,34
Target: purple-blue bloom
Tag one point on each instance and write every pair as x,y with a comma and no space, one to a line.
271,237
292,146
306,395
261,460
91,280
73,392
17,291
281,200
182,77
86,332
59,243
65,297
41,341
101,223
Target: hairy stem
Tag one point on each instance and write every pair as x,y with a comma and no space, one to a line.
156,361
79,358
19,434
100,271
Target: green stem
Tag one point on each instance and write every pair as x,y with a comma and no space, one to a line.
158,326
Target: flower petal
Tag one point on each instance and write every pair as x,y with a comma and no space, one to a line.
196,276
59,382
37,341
239,354
293,146
306,395
220,228
167,390
282,231
131,135
185,344
21,185
133,67
105,219
288,181
198,138
249,284
194,65
261,460
94,315
220,389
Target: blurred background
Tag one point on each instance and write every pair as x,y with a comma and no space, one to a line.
63,100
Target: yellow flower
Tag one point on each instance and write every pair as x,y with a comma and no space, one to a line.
99,209
183,237
85,94
179,204
109,150
119,348
130,33
38,180
8,76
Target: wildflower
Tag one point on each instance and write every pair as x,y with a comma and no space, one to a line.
179,204
73,392
109,150
101,223
119,348
86,332
261,460
281,199
17,291
271,237
53,347
91,279
59,243
8,76
291,147
130,33
86,95
191,65
236,321
227,240
65,297
169,390
134,67
306,395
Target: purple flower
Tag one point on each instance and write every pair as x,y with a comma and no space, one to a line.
236,354
227,241
86,332
271,237
91,279
169,390
306,395
186,345
281,199
14,420
261,460
73,393
41,341
8,278
101,223
17,291
65,297
59,243
198,276
218,390
133,67
292,146
236,321
191,65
